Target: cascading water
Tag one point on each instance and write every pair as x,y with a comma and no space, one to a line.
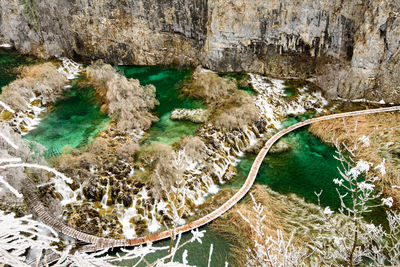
222,153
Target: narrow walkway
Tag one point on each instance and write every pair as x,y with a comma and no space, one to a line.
97,243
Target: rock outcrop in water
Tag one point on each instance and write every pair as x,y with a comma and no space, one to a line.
349,48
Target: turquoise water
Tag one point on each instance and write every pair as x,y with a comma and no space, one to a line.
167,81
9,60
307,168
240,79
74,121
197,253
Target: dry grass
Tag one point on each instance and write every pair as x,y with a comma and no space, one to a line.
283,212
384,134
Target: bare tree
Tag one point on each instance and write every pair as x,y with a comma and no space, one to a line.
345,238
358,240
127,102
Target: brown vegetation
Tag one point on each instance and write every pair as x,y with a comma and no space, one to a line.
193,145
126,101
75,165
162,174
150,154
209,87
237,117
283,212
232,108
111,144
384,135
43,80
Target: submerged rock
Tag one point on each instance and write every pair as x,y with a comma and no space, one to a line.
280,147
199,115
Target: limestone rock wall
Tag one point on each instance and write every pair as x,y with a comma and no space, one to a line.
350,48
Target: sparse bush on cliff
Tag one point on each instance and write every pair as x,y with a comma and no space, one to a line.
43,80
31,13
127,102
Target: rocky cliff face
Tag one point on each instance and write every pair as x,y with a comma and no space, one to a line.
350,48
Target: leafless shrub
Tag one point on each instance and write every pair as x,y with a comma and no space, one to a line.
13,98
128,149
43,79
128,103
194,147
160,156
236,117
210,87
99,74
232,108
77,166
154,152
99,146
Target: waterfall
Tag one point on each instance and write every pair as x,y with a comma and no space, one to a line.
222,153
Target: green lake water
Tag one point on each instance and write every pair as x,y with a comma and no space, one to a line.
167,81
307,168
197,253
9,60
74,121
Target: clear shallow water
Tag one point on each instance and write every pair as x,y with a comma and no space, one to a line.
9,60
74,121
307,168
167,81
197,253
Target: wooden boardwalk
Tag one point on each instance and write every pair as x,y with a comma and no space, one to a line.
97,243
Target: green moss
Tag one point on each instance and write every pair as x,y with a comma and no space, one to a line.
6,115
31,13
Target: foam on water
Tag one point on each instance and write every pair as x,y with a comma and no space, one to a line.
70,68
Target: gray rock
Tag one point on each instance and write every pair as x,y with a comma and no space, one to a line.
194,115
348,48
